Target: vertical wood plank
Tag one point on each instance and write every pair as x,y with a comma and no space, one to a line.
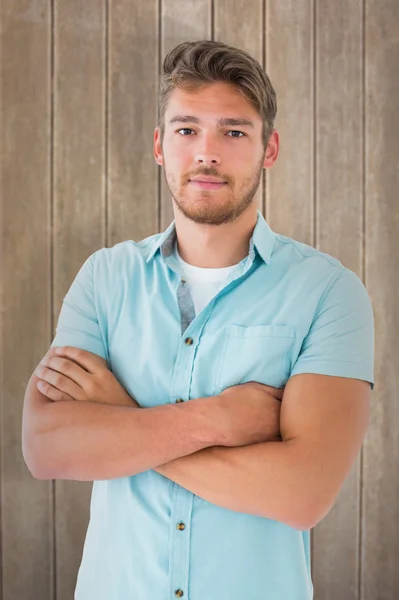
182,20
25,115
79,138
244,33
380,519
133,79
289,54
231,28
339,228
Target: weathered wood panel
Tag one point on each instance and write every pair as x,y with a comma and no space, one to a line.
25,114
79,214
132,109
339,232
380,515
289,64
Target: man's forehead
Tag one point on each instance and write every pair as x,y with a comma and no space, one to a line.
230,109
220,121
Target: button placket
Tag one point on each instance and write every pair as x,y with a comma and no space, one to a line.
180,542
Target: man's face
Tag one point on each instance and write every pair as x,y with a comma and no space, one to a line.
231,152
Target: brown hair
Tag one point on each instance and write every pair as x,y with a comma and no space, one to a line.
192,64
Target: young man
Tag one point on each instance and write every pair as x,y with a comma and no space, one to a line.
164,380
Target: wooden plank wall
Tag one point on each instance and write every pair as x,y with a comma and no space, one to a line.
78,106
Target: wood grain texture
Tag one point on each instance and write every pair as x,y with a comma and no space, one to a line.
380,517
339,232
132,116
181,21
26,503
289,64
78,173
79,210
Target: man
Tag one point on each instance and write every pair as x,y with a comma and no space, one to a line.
164,380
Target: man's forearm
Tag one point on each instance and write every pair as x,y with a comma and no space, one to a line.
269,479
88,441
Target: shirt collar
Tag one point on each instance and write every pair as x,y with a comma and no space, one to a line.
262,239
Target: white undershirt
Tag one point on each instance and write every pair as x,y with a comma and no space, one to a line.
204,283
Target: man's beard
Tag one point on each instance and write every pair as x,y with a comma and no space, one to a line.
208,209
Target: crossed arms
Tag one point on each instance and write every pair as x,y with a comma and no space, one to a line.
323,421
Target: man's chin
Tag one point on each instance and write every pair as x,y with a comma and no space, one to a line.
206,215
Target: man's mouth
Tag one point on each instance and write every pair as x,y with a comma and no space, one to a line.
207,185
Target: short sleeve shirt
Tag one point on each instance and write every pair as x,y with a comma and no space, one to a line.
285,309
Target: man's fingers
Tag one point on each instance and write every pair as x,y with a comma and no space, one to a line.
67,367
273,391
59,381
277,393
88,360
51,392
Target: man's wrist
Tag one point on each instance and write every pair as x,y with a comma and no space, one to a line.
215,413
207,414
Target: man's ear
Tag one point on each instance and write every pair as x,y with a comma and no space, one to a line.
157,147
272,150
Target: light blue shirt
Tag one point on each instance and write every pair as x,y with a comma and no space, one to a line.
286,308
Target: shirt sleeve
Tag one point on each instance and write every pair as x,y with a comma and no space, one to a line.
78,324
340,340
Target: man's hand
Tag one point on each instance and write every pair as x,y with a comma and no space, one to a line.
68,373
250,413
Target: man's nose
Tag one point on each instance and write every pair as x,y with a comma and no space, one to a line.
207,159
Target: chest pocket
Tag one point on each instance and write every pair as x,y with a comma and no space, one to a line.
258,353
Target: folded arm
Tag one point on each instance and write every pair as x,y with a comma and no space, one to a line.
93,440
76,406
323,422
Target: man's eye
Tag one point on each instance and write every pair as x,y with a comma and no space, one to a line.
184,129
234,131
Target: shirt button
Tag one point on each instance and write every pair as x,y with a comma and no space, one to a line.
179,593
188,341
180,400
181,526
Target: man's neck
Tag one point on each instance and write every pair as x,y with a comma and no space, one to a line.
214,246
